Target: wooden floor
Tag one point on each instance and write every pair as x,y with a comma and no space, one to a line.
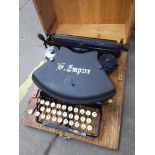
111,118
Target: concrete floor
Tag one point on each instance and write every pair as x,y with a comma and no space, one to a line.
35,142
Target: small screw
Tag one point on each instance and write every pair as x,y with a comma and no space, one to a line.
100,67
107,59
51,59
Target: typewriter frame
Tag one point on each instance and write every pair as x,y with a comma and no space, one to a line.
90,18
111,113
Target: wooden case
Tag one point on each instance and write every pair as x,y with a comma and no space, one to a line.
107,19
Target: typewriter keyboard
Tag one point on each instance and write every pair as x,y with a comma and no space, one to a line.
78,119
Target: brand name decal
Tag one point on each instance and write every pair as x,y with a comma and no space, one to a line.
72,68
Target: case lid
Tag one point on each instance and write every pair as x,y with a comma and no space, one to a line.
107,19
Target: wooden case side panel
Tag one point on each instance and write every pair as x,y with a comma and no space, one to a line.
104,31
112,11
46,14
130,18
90,11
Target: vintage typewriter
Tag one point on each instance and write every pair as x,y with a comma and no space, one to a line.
74,82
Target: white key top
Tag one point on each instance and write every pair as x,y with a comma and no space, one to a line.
83,126
70,108
71,123
77,124
88,120
110,100
48,110
70,115
64,107
64,114
94,114
42,102
42,116
37,113
54,111
59,120
76,110
82,119
30,111
54,118
89,128
88,112
48,117
65,121
82,111
58,106
76,117
47,103
59,113
53,104
42,108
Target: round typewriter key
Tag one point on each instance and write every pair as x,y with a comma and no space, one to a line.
88,120
76,110
89,128
48,117
77,124
88,112
65,121
59,120
48,110
42,102
71,123
54,118
83,126
42,108
58,106
47,103
70,115
64,107
59,113
82,119
30,111
76,117
42,116
94,114
70,108
53,104
37,113
64,114
82,111
110,100
54,111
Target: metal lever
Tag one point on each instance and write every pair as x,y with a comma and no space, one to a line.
41,37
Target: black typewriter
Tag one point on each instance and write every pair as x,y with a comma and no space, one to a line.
74,82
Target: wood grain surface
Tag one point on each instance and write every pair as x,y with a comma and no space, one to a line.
110,19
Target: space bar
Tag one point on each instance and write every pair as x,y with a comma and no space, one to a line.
77,132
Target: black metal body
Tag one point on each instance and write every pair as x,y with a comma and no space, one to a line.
74,78
84,44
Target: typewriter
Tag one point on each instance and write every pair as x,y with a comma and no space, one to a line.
74,82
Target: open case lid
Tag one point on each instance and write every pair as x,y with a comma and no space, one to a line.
107,19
